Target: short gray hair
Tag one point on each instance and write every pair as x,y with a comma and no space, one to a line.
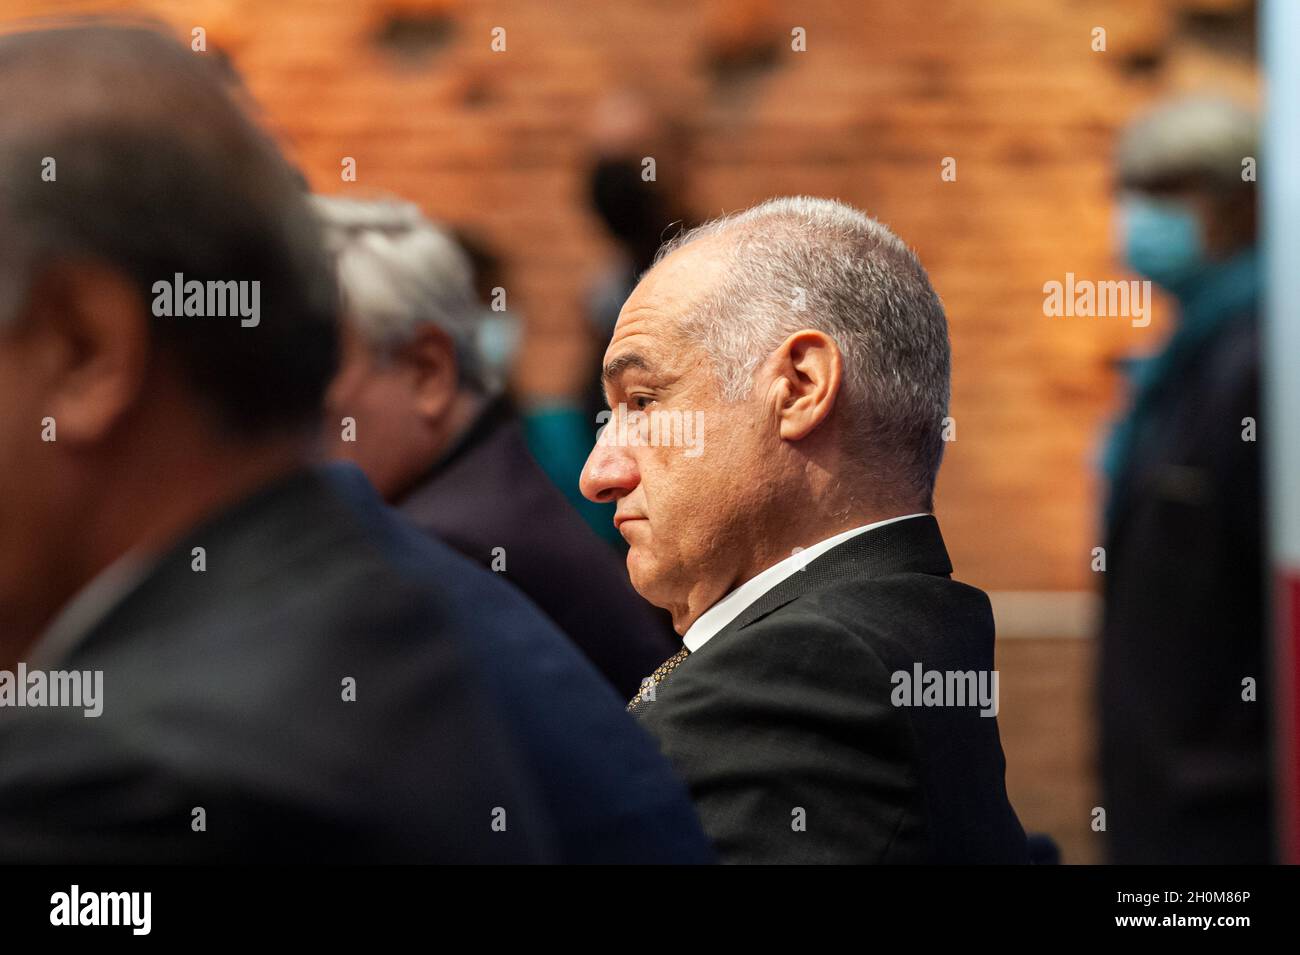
817,263
398,271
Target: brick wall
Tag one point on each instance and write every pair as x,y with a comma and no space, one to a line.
1012,90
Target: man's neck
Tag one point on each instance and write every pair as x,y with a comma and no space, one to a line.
786,541
778,544
464,412
144,511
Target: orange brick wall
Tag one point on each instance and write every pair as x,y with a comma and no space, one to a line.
885,90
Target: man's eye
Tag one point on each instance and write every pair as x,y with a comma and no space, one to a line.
641,402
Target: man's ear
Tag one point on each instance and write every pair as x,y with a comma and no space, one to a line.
432,356
808,372
95,327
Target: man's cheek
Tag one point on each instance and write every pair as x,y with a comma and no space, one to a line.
658,470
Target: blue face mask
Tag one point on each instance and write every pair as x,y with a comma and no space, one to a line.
1161,240
499,334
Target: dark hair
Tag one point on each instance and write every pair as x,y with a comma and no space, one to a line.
159,172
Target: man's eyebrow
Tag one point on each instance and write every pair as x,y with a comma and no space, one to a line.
621,364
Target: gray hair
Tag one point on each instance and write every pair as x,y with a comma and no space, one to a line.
398,271
800,263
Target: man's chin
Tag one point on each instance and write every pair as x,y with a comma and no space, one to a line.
647,580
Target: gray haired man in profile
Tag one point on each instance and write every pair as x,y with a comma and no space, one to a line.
797,553
415,407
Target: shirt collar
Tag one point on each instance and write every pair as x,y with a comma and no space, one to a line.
711,622
88,608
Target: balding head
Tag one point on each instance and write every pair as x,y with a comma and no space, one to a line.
805,343
801,262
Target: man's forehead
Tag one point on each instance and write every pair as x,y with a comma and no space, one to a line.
641,344
668,294
688,272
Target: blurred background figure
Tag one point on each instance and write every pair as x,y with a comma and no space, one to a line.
163,528
413,406
638,206
1185,746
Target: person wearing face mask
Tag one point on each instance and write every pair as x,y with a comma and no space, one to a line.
1184,675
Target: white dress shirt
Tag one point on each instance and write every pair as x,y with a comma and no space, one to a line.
734,604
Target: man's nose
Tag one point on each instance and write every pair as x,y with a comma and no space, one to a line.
610,473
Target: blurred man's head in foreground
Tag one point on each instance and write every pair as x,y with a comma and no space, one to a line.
806,342
1187,175
411,380
167,312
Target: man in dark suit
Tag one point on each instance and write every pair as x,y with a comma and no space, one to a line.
834,699
213,652
302,698
415,407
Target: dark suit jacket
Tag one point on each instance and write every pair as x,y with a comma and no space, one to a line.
1185,760
789,708
223,690
489,492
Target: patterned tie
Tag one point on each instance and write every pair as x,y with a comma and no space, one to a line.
661,671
